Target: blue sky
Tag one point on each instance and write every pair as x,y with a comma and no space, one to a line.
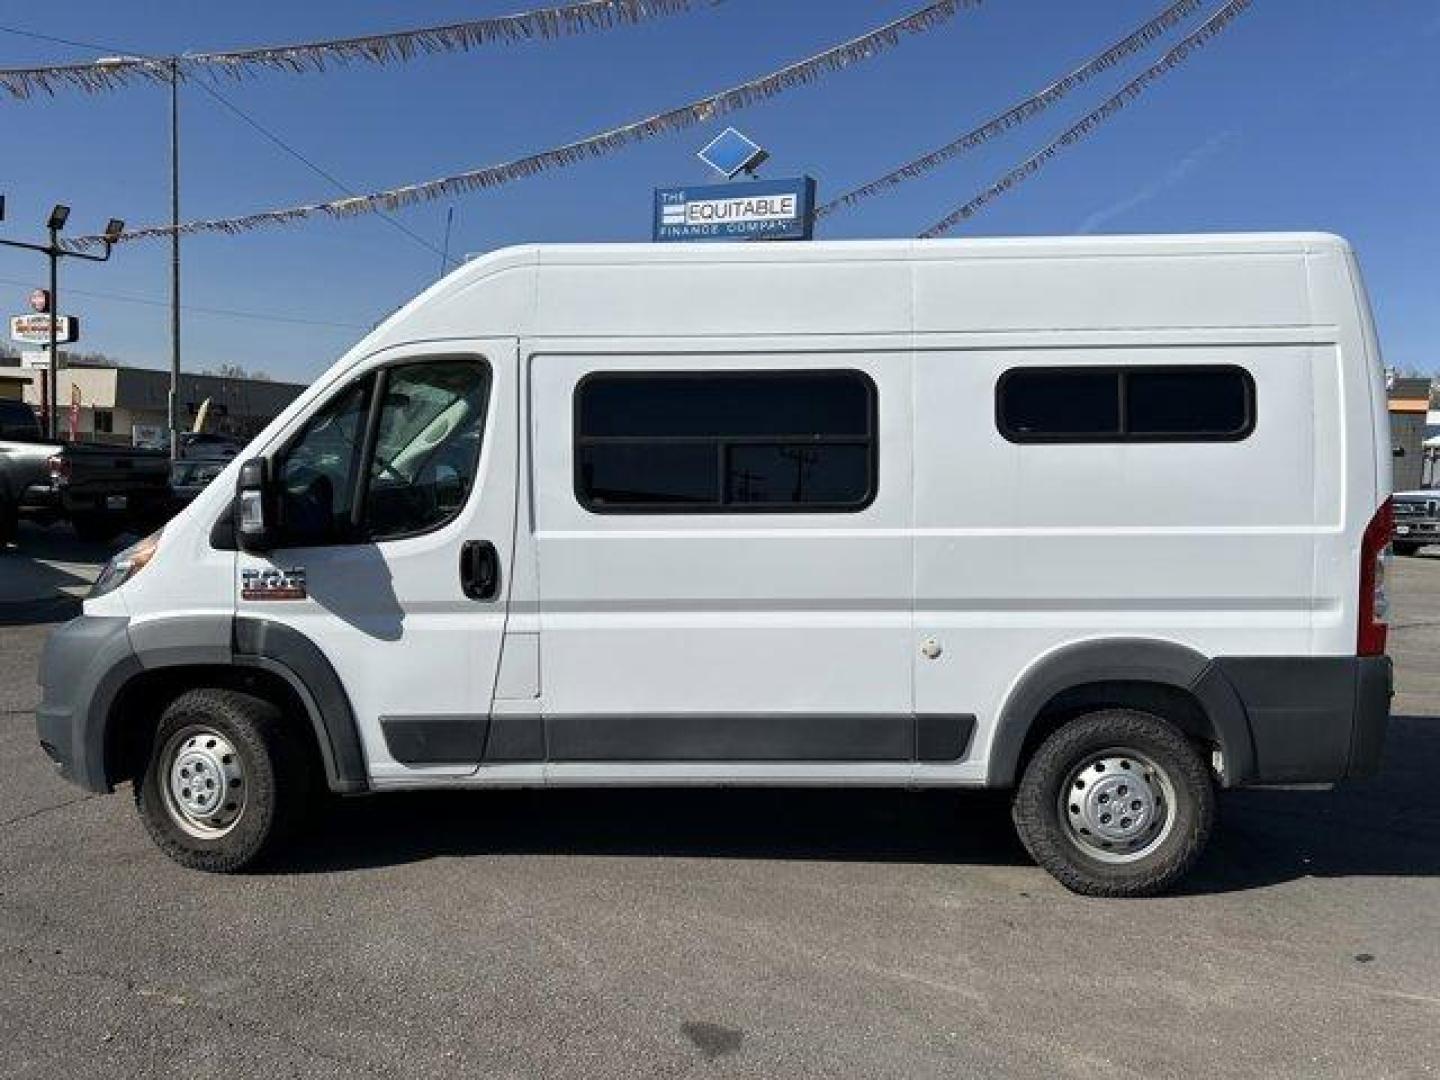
1305,114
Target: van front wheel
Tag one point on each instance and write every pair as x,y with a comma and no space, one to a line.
1116,803
225,782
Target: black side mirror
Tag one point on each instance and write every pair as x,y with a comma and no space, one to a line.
255,516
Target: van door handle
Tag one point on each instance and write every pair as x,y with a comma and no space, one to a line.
479,570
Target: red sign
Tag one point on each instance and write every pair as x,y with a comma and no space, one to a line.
40,301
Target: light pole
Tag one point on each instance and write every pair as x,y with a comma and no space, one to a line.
54,253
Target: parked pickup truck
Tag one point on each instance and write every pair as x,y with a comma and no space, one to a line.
1417,520
100,490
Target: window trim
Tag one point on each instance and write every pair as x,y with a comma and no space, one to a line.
380,374
870,439
1121,371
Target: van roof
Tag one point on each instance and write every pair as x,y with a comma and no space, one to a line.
869,286
968,247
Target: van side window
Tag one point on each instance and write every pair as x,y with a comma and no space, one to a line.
364,470
1183,403
318,471
725,441
426,448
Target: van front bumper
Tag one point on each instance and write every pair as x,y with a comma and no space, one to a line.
1312,719
84,664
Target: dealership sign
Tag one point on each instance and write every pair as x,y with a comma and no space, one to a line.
35,329
749,210
730,153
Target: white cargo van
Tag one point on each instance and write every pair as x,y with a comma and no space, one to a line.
1100,519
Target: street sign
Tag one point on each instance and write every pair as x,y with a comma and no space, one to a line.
751,210
730,153
35,359
40,300
35,329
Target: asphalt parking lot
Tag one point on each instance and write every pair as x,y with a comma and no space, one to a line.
722,933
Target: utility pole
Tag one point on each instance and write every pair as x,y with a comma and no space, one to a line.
52,396
174,257
172,68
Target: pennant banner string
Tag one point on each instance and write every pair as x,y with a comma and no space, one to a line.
1112,105
1021,111
802,73
396,46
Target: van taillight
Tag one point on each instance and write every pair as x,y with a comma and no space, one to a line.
1374,551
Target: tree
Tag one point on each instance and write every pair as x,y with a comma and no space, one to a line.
235,371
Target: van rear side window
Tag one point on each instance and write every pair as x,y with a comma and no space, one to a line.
1183,403
725,441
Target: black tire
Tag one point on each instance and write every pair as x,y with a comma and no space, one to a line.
97,528
1116,741
274,775
1405,549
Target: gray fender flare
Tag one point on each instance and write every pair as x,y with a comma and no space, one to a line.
1122,660
286,652
275,648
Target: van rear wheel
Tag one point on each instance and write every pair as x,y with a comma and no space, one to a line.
225,783
1116,803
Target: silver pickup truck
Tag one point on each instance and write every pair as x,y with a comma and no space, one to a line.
1417,520
100,490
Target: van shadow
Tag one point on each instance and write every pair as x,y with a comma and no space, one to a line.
1382,827
354,584
1385,827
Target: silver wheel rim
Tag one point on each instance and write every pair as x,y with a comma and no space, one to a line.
204,782
1117,805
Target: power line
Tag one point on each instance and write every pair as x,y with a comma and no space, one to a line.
216,95
395,46
1025,109
832,60
58,40
214,92
1206,32
229,313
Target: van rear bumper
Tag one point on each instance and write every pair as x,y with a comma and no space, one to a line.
1312,719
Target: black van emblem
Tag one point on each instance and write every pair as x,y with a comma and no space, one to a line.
273,583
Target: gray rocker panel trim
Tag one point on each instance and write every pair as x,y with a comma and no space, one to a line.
288,653
435,740
756,737
1122,660
466,739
